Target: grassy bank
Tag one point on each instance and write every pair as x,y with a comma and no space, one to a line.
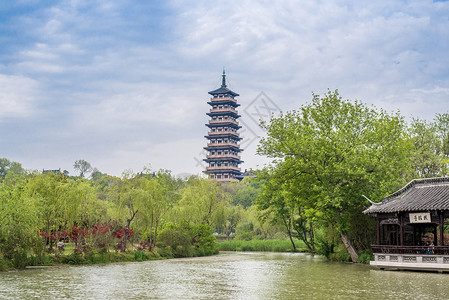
96,256
261,245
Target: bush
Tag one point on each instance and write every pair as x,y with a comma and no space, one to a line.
5,265
164,251
73,259
141,255
185,241
365,258
341,256
324,248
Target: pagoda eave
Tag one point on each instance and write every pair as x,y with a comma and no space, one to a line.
224,113
224,101
218,147
224,135
223,159
224,123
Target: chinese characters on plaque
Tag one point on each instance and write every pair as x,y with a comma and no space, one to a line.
420,217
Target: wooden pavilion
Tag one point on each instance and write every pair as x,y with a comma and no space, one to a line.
411,227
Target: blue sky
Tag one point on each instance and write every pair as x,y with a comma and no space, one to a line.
123,84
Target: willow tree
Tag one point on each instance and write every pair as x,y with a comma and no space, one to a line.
18,222
336,151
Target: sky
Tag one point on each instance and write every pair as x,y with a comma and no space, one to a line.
124,84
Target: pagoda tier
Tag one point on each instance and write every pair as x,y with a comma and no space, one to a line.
222,123
223,150
223,136
223,101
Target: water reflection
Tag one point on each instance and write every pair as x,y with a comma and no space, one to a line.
225,276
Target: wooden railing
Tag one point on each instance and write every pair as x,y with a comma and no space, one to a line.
391,249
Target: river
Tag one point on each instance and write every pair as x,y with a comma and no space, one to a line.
228,275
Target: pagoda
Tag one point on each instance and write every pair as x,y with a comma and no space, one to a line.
223,149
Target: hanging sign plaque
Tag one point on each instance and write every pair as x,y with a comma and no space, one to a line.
420,217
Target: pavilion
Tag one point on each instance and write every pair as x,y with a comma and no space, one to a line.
411,227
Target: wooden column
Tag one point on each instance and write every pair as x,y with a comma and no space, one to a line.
401,230
441,215
378,230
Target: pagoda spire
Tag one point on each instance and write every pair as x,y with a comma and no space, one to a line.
223,80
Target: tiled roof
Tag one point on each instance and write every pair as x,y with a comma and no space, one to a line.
418,195
223,90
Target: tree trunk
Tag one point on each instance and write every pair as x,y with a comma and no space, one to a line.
126,233
288,226
349,247
153,244
291,240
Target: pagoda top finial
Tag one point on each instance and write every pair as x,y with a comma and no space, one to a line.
223,81
223,90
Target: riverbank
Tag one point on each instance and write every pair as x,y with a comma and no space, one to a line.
97,256
262,245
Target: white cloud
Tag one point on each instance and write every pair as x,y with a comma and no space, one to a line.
127,92
17,96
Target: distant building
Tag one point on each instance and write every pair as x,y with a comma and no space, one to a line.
65,172
223,156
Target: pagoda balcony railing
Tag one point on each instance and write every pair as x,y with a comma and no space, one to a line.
224,156
223,121
223,98
222,168
222,132
222,110
222,144
393,249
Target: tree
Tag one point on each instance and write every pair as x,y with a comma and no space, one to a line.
160,195
46,191
96,174
10,167
83,167
247,194
18,222
428,149
335,151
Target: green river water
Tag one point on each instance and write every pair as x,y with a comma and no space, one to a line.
228,275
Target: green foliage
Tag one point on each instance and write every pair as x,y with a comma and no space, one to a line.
182,240
83,167
340,256
365,257
327,155
141,255
261,245
10,168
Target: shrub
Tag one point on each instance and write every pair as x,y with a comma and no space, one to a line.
164,251
141,255
341,256
73,259
365,258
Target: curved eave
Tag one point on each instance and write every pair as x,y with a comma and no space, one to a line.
223,91
223,102
230,124
223,171
224,159
223,147
224,113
